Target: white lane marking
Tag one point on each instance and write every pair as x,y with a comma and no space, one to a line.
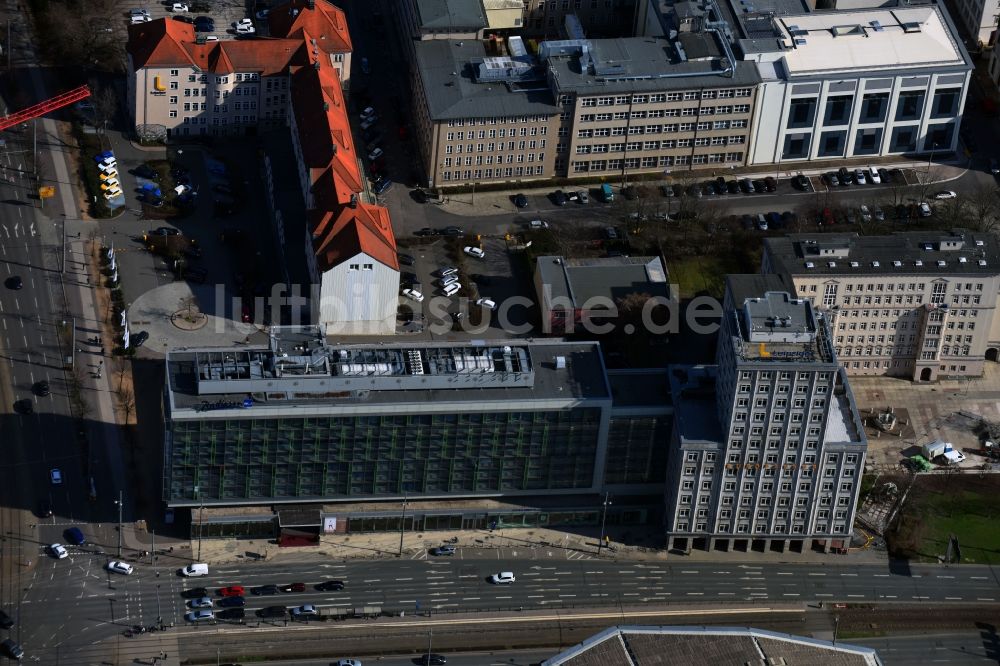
953,598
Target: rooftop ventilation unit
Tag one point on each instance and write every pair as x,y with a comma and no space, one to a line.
979,243
831,264
963,260
877,26
810,264
918,262
982,262
560,362
876,264
800,41
941,264
854,264
911,26
897,263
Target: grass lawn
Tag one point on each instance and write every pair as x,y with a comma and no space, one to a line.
965,505
701,275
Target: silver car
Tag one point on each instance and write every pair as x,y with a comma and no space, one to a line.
200,616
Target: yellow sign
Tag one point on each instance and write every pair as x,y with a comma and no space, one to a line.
46,192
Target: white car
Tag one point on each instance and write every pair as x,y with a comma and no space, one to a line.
56,476
115,566
245,30
445,281
476,252
448,270
375,154
58,551
246,22
110,184
108,168
138,11
873,175
452,289
925,210
945,194
866,213
502,578
349,662
487,303
538,224
139,18
179,7
413,295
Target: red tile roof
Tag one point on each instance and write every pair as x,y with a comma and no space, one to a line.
159,43
341,235
326,24
339,230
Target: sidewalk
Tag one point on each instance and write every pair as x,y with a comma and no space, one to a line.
481,203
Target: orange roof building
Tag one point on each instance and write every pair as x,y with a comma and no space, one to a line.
180,84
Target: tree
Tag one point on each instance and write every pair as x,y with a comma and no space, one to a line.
105,102
981,208
126,400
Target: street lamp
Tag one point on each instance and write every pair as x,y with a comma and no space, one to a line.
402,521
120,502
604,516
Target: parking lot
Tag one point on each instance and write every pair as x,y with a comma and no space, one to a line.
222,12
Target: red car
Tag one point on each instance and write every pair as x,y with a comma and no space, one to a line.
293,587
232,591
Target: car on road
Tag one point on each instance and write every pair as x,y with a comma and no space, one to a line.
925,210
14,282
503,578
431,659
451,231
264,589
413,295
520,201
487,303
195,569
233,602
425,231
293,587
232,591
40,388
179,7
200,616
443,551
74,536
195,593
5,621
330,586
272,611
58,551
11,649
55,475
24,406
945,194
304,612
201,602
231,614
117,566
538,224
582,196
476,252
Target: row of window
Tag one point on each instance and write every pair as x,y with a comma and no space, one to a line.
239,76
653,162
659,145
663,113
743,528
508,172
946,350
894,325
881,339
480,160
493,147
656,98
496,134
660,129
512,120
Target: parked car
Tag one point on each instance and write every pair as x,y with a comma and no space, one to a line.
538,224
559,198
55,475
801,182
759,187
413,295
452,231
476,252
945,194
431,659
582,196
5,621
859,177
304,612
770,184
11,649
520,201
201,602
405,259
630,193
443,551
58,551
179,7
231,614
272,611
232,591
383,186
487,303
873,176
925,210
375,154
264,589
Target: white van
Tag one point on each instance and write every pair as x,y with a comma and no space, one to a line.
196,569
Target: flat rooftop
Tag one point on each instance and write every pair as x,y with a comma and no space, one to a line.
925,253
666,646
779,328
695,410
638,64
870,39
647,388
452,93
450,15
606,279
308,373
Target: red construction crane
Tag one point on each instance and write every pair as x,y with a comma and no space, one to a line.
40,109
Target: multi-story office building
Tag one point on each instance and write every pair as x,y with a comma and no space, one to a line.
581,108
978,18
852,84
921,304
768,447
180,84
300,421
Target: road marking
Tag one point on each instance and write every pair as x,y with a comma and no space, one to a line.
985,599
721,572
400,579
785,573
921,597
944,576
626,571
824,595
373,580
470,598
689,572
856,596
791,594
695,594
891,596
881,575
503,597
953,598
535,596
566,595
848,574
722,594
817,574
979,578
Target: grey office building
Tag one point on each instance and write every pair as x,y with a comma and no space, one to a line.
768,447
302,422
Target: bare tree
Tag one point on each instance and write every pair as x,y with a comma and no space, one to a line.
126,400
105,102
981,208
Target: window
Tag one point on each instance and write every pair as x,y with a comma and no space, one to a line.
910,105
